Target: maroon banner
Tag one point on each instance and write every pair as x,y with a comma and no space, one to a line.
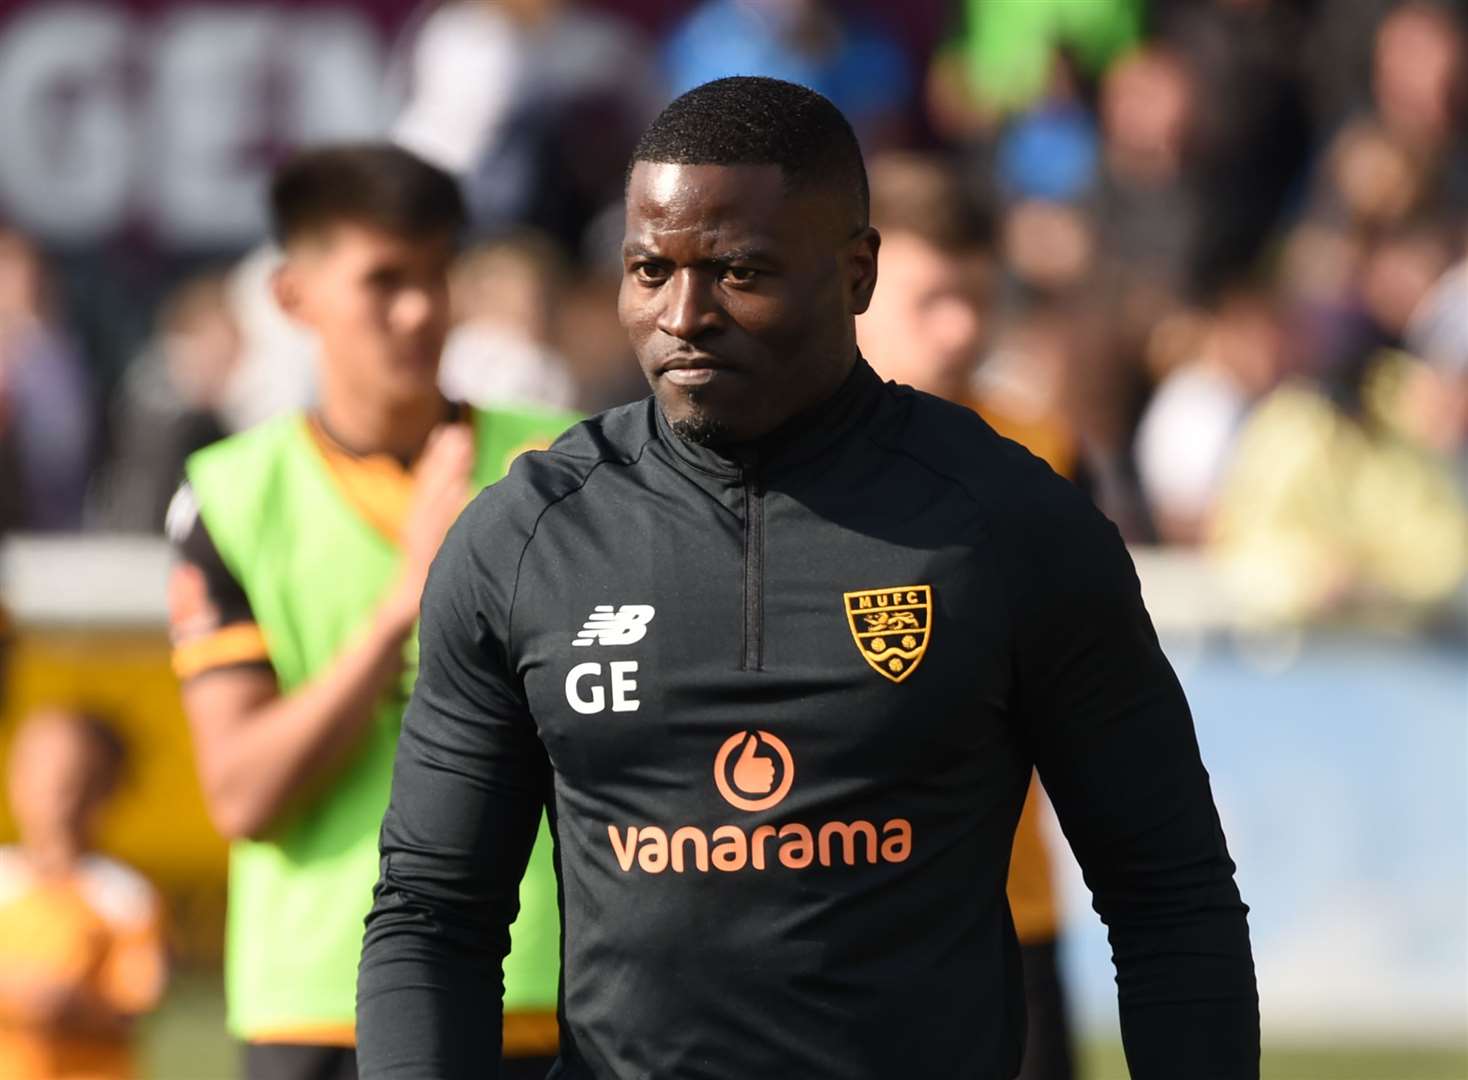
163,120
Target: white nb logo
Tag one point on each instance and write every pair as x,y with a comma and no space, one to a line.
620,626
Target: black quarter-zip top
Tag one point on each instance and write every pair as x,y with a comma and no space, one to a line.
754,570
782,704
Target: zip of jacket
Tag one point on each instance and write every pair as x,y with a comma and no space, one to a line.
753,658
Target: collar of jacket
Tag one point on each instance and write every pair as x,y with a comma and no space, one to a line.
799,439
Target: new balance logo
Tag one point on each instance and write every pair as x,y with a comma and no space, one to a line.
620,626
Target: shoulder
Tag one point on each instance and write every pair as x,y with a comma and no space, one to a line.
504,517
541,478
1029,512
242,468
954,442
16,877
261,440
119,894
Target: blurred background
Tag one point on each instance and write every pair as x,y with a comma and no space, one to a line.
1221,275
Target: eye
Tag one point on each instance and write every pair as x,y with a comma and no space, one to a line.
650,273
385,279
740,275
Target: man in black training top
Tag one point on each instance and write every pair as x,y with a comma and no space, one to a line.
778,647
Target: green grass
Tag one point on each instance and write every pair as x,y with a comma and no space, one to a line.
185,1040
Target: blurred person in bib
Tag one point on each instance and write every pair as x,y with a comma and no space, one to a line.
81,938
302,548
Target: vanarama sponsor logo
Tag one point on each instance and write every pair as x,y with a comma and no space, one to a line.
731,848
755,780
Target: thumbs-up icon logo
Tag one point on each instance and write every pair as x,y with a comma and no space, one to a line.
753,770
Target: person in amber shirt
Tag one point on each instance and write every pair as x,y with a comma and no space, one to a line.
81,942
926,327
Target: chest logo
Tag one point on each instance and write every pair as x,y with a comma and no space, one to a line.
891,627
615,626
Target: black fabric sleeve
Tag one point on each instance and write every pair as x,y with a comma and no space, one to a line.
468,788
193,545
1114,742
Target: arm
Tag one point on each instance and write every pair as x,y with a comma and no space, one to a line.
1114,742
469,784
258,751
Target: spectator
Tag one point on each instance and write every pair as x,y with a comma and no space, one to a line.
1186,437
1403,156
505,295
46,419
1346,491
81,949
810,42
1251,143
170,404
1001,60
1145,208
534,104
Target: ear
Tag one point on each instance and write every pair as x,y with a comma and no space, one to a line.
287,288
861,268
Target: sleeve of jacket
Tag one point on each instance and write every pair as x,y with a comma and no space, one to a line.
1113,739
469,784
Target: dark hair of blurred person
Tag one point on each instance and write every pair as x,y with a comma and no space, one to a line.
927,327
46,413
170,403
364,184
369,233
81,944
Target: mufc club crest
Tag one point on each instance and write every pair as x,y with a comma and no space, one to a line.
891,627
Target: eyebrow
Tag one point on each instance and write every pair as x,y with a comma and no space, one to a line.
748,253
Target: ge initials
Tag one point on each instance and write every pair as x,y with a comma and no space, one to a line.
592,699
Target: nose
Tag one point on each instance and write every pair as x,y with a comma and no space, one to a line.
689,309
411,309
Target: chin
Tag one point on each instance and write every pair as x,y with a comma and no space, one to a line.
407,385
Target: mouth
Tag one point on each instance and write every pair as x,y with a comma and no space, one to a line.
692,370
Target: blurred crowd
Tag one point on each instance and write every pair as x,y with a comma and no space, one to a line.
1211,263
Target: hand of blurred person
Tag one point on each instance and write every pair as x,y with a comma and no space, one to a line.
440,490
58,1005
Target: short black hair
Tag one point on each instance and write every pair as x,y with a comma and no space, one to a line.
754,120
375,183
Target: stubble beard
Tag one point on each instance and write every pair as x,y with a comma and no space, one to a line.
698,425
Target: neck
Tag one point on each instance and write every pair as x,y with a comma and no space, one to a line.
368,424
53,855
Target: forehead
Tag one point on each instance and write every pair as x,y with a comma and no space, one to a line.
51,737
350,240
716,204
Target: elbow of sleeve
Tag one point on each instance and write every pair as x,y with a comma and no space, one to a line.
236,817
